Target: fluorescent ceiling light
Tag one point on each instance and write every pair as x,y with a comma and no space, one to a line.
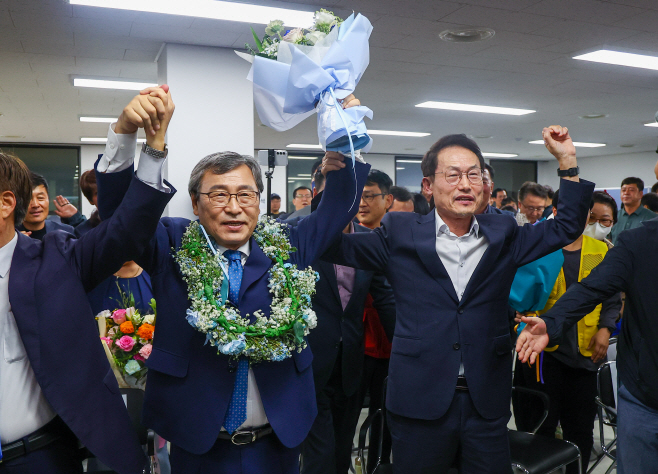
499,155
397,134
409,161
98,119
580,144
304,158
104,140
303,175
485,109
651,124
108,84
621,59
215,10
400,168
302,145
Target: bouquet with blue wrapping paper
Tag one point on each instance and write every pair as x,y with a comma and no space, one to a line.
303,71
534,282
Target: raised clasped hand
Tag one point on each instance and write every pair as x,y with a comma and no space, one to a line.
151,110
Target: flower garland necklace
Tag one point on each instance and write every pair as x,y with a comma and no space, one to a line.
266,339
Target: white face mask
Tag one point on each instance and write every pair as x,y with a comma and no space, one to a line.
596,231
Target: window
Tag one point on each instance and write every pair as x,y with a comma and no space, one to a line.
408,173
511,174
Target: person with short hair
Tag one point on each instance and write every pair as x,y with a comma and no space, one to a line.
403,201
36,223
301,197
487,185
275,203
511,203
532,202
375,200
421,206
71,215
498,195
650,201
632,213
602,217
654,188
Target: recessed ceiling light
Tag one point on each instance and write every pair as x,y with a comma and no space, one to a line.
651,124
621,59
499,155
104,140
409,161
481,137
593,116
577,144
98,119
485,109
627,145
305,146
216,10
400,168
467,35
397,134
111,84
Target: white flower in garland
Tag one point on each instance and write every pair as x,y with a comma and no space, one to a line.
291,315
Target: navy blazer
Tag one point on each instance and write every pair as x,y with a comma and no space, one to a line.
47,292
435,331
335,325
189,383
630,266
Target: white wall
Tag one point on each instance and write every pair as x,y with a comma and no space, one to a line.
385,163
605,171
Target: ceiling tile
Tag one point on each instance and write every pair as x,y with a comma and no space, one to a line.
647,21
590,11
135,55
109,15
497,18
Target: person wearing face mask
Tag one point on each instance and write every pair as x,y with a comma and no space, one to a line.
568,371
602,217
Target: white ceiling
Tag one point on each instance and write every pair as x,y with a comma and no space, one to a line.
528,64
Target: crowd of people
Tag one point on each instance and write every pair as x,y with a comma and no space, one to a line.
410,311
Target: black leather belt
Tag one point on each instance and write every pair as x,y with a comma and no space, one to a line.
461,383
41,438
240,437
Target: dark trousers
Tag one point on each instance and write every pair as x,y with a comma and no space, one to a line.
60,457
572,393
375,372
461,437
637,435
328,447
267,455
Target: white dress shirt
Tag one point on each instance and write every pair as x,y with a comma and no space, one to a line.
460,255
23,408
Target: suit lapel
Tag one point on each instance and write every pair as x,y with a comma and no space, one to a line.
257,265
424,236
495,235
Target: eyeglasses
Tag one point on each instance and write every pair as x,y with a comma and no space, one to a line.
454,176
222,198
303,196
369,197
603,222
532,210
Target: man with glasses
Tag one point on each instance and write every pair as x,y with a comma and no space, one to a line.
302,197
450,378
221,414
532,202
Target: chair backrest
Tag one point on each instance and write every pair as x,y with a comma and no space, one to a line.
612,349
606,384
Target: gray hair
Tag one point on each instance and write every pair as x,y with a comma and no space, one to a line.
221,163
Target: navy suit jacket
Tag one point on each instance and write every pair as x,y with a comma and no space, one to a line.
189,384
335,324
47,292
435,331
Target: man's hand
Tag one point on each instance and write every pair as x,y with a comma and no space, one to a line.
332,161
518,318
532,340
558,142
599,344
151,110
63,208
350,101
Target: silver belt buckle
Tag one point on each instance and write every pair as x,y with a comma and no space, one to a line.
237,433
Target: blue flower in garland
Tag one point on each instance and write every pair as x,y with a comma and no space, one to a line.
192,317
234,347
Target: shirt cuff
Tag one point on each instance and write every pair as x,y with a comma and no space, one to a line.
151,172
119,151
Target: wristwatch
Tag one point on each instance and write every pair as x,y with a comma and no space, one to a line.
155,153
569,172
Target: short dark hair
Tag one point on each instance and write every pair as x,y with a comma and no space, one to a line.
431,160
549,191
421,206
294,193
381,179
38,180
88,184
319,180
15,177
495,192
316,165
401,194
633,180
654,188
604,198
651,201
507,200
556,198
530,187
275,196
508,208
490,169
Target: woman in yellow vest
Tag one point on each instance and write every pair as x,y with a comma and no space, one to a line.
568,372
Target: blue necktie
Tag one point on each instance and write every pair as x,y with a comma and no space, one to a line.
237,408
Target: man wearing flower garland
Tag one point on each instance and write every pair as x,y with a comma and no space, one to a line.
450,377
230,383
